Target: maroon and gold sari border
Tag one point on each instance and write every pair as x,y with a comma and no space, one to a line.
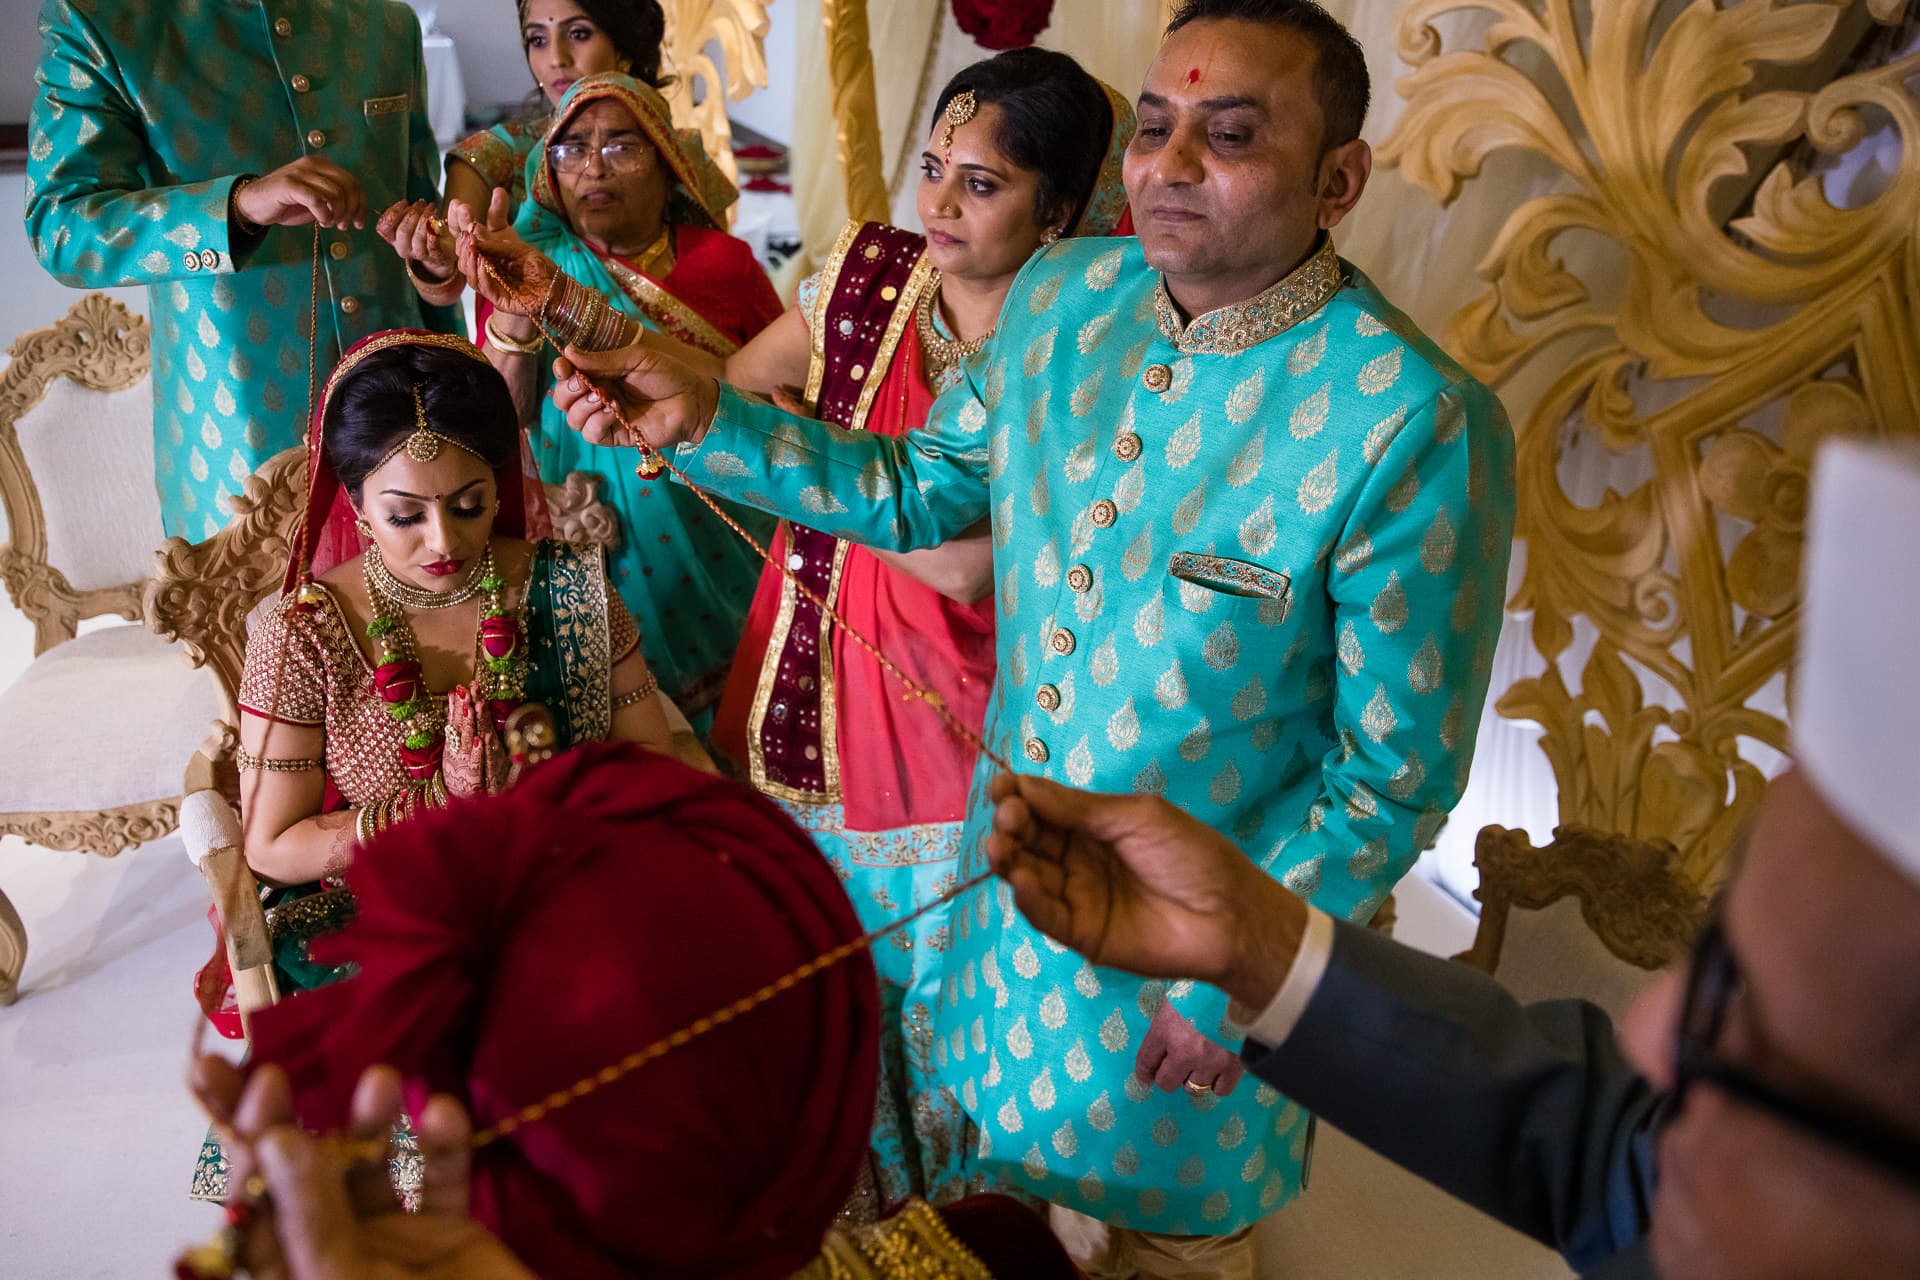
817,322
923,274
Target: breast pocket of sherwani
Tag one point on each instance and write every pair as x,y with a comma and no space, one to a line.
385,117
1232,615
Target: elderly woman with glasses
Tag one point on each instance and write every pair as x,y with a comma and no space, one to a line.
621,232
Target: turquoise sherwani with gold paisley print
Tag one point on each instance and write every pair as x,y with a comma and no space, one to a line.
1253,563
146,115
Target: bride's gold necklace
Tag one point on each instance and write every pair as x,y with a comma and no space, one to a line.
382,582
942,354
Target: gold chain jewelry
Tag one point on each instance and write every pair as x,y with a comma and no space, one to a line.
942,354
246,761
960,109
646,689
423,443
382,583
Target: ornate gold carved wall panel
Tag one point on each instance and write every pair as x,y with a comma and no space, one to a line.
739,30
1694,304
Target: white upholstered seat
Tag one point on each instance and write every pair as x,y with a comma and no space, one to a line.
105,720
90,754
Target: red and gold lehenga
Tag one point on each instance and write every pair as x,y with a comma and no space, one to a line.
305,667
814,722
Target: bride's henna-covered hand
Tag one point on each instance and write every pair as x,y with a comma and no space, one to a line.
463,757
474,761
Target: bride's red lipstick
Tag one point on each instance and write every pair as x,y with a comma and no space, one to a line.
444,568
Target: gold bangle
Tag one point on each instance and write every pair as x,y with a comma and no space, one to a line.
241,223
495,338
246,761
363,827
640,693
438,292
589,316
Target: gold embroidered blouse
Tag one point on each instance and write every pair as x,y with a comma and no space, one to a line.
305,668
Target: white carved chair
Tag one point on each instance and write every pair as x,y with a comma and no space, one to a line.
96,728
1592,915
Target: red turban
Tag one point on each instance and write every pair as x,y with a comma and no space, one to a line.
512,945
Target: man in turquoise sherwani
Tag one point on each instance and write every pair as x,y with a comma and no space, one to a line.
1251,533
191,147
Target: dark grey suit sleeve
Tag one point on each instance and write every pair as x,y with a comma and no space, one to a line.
1529,1114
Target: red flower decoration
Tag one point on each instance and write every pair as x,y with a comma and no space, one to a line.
499,636
397,681
422,762
1003,24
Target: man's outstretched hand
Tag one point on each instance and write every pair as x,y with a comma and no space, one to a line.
326,1219
1132,883
660,398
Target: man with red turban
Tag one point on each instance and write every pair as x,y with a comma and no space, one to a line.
513,945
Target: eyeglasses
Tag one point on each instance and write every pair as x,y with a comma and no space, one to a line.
1711,984
615,157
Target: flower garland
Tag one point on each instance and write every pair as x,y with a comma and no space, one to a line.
500,682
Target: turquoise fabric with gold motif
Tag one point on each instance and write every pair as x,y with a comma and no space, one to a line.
1254,564
146,115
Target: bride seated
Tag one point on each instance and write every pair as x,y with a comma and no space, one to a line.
417,617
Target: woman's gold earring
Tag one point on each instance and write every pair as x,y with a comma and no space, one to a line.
1051,238
366,530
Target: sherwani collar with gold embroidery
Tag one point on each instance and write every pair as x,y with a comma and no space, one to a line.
1274,310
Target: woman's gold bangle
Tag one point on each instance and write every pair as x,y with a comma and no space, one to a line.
439,293
502,341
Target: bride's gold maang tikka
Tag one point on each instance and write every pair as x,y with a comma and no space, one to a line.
960,109
423,443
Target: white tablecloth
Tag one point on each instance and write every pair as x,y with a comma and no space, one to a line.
446,91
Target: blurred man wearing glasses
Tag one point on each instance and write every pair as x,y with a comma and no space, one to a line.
1759,1115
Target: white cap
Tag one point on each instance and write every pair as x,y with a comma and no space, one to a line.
1856,722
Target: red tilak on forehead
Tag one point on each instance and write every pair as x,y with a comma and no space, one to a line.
1193,76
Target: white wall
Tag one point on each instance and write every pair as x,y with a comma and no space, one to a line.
19,54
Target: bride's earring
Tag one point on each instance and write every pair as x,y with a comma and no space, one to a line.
366,530
1051,238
